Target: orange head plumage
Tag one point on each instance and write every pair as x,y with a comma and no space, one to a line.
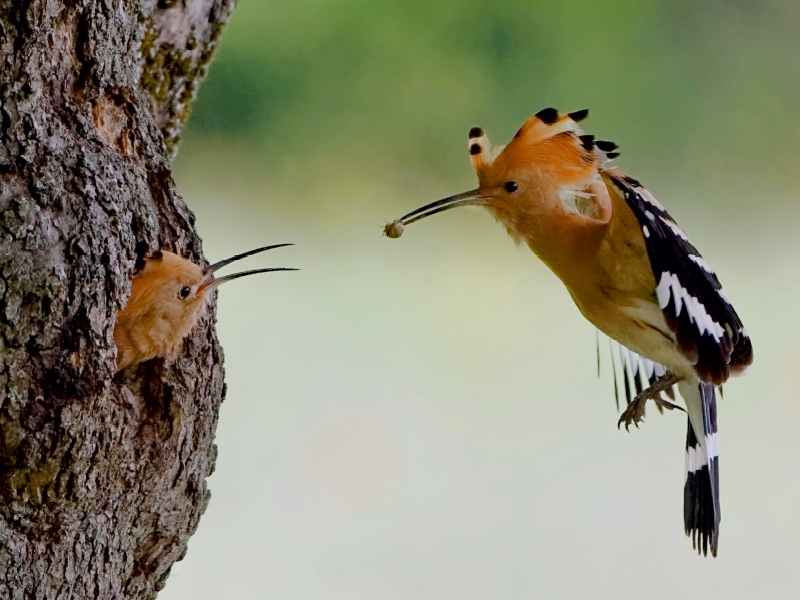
540,186
169,295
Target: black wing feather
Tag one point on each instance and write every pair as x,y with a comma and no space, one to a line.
708,330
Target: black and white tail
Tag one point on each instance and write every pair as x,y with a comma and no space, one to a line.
701,512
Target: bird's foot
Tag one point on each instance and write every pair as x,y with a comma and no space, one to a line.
634,414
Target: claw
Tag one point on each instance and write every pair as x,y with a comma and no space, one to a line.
634,414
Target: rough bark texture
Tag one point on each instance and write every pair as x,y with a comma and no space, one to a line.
102,477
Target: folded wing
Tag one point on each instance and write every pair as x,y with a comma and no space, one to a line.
709,333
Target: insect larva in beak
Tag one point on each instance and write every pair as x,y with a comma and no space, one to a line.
394,229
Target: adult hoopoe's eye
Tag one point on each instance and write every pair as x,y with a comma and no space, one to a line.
511,186
185,291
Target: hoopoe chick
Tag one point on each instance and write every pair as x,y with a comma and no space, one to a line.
630,270
168,297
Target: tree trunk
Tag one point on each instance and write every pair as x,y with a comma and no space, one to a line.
102,477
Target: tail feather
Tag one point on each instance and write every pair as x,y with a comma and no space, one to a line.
701,509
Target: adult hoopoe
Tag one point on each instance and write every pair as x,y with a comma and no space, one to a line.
631,271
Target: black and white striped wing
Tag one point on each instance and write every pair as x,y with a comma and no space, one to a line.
709,333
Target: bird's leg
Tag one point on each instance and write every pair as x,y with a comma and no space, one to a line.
634,414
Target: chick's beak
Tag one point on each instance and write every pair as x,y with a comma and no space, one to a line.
209,281
471,198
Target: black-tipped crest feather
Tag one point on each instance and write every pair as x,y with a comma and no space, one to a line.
579,115
547,115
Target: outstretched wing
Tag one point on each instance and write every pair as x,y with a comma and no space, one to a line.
709,333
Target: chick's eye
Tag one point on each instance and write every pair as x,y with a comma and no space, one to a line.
185,291
511,186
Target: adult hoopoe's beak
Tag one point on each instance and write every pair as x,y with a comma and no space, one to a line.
472,198
209,281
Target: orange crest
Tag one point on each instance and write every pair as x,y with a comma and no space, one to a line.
551,143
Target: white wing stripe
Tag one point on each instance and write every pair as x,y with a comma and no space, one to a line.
670,286
701,262
675,229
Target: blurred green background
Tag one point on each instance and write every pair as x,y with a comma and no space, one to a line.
421,418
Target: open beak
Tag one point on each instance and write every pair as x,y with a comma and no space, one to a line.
209,281
471,198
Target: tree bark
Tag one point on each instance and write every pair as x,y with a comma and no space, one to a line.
102,476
